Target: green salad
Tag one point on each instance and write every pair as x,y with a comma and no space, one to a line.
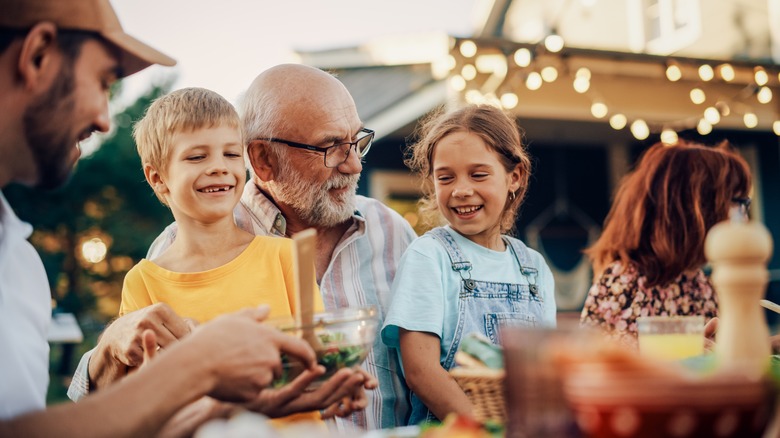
333,357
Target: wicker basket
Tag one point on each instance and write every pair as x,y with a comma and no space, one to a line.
485,389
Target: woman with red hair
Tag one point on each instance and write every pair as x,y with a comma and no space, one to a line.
649,258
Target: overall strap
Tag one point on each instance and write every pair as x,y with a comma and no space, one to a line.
527,268
458,261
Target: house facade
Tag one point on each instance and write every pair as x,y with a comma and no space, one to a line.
593,83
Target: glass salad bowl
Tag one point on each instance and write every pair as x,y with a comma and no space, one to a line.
345,337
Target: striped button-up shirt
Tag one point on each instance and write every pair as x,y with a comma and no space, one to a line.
360,273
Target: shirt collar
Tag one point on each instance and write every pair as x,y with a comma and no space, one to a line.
10,224
263,210
268,215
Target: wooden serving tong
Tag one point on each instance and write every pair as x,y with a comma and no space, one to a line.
303,264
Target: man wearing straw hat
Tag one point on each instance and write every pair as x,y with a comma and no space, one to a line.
58,59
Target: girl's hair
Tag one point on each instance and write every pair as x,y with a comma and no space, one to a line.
664,208
499,132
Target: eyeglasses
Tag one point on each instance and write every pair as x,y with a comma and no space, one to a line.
338,153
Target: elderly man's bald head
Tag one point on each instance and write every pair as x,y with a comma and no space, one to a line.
295,79
283,94
300,106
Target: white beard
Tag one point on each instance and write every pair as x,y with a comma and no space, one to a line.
315,205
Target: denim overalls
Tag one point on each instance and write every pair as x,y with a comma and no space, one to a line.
484,306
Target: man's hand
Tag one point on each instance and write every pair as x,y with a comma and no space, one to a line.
340,395
356,401
243,354
149,345
120,345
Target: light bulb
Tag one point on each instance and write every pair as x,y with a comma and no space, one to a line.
618,121
697,96
94,250
549,74
704,127
599,110
468,72
706,73
760,76
581,84
750,119
673,73
468,48
533,81
457,83
726,72
509,100
668,137
712,115
764,94
776,127
640,130
583,72
523,57
553,43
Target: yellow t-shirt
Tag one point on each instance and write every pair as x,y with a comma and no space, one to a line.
261,274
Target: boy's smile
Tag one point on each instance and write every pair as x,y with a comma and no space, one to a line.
216,189
205,168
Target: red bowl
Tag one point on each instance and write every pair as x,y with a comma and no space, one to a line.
610,402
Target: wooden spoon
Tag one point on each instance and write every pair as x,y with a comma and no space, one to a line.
305,243
770,305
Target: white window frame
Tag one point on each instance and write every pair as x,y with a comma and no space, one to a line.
672,38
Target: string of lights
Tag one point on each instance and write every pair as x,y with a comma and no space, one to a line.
497,71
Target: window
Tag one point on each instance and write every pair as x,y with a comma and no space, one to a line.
663,27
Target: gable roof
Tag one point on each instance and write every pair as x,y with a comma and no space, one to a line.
390,97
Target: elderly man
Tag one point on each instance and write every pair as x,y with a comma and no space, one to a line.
305,143
58,59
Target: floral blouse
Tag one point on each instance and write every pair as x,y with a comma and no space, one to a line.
620,295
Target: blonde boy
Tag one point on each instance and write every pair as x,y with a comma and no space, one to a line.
192,152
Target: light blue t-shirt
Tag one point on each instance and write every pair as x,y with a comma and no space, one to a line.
426,288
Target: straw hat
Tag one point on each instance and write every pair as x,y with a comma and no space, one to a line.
89,15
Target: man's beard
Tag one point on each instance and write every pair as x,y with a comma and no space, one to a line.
47,130
315,205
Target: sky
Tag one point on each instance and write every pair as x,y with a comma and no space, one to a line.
223,44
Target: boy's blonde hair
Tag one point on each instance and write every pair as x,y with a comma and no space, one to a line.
182,110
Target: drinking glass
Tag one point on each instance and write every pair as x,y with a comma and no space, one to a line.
536,406
671,338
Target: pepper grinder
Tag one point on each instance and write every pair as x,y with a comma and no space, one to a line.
738,251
